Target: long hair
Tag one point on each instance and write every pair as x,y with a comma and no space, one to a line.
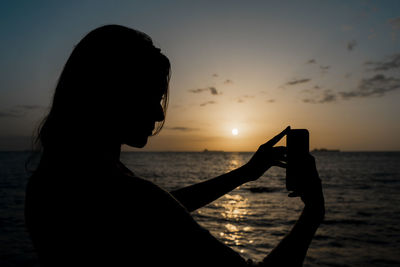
94,82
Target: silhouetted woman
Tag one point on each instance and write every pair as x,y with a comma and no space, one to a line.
85,208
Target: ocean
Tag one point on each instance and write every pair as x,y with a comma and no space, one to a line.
362,194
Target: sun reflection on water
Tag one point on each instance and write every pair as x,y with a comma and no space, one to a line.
235,209
234,162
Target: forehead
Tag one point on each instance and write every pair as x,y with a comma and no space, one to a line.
144,91
143,80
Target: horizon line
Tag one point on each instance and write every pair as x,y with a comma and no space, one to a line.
213,151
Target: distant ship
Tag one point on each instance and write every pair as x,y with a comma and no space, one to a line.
325,150
211,151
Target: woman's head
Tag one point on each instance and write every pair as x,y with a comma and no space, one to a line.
113,89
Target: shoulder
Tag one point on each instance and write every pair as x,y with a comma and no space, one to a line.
148,192
130,182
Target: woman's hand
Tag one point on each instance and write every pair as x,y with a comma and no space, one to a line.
311,189
266,156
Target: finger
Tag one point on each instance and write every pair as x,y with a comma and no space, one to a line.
279,164
283,159
310,159
280,150
279,153
294,194
278,137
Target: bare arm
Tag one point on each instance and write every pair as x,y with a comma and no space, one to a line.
292,250
199,195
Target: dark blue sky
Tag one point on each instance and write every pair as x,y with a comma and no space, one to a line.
330,66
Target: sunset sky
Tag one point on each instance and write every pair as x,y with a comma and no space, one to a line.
332,67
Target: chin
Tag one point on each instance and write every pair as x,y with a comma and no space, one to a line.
139,142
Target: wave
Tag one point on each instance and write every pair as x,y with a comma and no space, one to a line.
345,221
263,189
384,261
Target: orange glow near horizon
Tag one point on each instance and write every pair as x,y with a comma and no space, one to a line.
277,64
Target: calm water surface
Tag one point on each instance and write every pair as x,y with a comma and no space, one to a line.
362,193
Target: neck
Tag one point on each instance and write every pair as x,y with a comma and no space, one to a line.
108,154
112,153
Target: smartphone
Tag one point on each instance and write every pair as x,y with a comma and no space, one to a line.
298,146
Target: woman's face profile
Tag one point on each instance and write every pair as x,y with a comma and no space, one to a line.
139,115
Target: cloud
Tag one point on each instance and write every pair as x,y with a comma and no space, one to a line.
207,103
182,129
377,85
240,99
326,97
395,22
30,107
312,61
18,111
324,69
391,62
212,90
316,88
195,91
294,82
228,81
10,113
351,45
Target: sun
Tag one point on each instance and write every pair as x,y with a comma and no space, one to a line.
235,131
